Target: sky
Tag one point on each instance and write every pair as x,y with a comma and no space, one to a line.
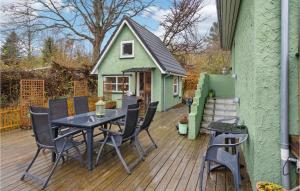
151,18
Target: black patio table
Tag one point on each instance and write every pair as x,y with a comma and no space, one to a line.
88,121
221,127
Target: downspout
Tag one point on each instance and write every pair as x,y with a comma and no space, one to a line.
284,132
164,106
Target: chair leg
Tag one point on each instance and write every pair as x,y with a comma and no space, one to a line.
201,174
31,163
152,140
100,150
120,128
137,147
236,181
120,156
79,155
84,138
140,146
52,170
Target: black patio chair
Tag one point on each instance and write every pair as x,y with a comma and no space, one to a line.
116,139
126,100
45,140
216,152
81,105
58,108
144,125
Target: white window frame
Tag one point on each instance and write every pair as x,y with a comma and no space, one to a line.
176,92
121,49
116,83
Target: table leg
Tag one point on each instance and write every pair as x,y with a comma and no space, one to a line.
55,133
105,127
90,148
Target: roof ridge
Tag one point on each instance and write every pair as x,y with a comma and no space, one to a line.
135,22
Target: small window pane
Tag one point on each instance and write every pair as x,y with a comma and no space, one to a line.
108,87
120,79
127,49
120,87
110,79
114,87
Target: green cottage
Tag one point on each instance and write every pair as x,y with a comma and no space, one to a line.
136,61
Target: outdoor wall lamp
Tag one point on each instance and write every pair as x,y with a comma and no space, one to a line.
236,100
234,76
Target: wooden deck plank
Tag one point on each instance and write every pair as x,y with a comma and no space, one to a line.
182,184
174,165
181,167
195,173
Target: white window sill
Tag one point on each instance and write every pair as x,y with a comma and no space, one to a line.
127,56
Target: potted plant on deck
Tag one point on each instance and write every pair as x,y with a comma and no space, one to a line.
211,93
268,186
183,125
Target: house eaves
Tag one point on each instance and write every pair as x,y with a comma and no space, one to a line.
227,17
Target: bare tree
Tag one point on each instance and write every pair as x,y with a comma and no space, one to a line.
82,19
180,26
24,26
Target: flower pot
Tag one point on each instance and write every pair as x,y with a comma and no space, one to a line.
182,128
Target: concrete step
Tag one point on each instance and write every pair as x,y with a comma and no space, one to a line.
208,111
221,100
225,113
205,124
221,106
218,109
219,112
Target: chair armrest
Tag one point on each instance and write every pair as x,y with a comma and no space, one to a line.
220,139
55,127
111,132
67,135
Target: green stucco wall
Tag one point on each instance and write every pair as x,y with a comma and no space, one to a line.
113,64
256,61
195,116
223,85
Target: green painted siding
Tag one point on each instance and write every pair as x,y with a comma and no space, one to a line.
113,64
256,61
171,99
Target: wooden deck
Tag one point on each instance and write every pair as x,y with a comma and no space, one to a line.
173,166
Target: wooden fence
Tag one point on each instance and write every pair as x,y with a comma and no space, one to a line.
11,117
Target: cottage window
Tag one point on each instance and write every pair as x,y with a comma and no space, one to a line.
127,49
175,85
115,83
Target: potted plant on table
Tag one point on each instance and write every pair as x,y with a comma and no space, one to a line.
110,104
183,125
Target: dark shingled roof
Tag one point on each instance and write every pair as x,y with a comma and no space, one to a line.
157,48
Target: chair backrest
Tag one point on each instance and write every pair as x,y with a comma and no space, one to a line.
41,127
131,120
128,100
81,105
151,110
58,108
38,109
